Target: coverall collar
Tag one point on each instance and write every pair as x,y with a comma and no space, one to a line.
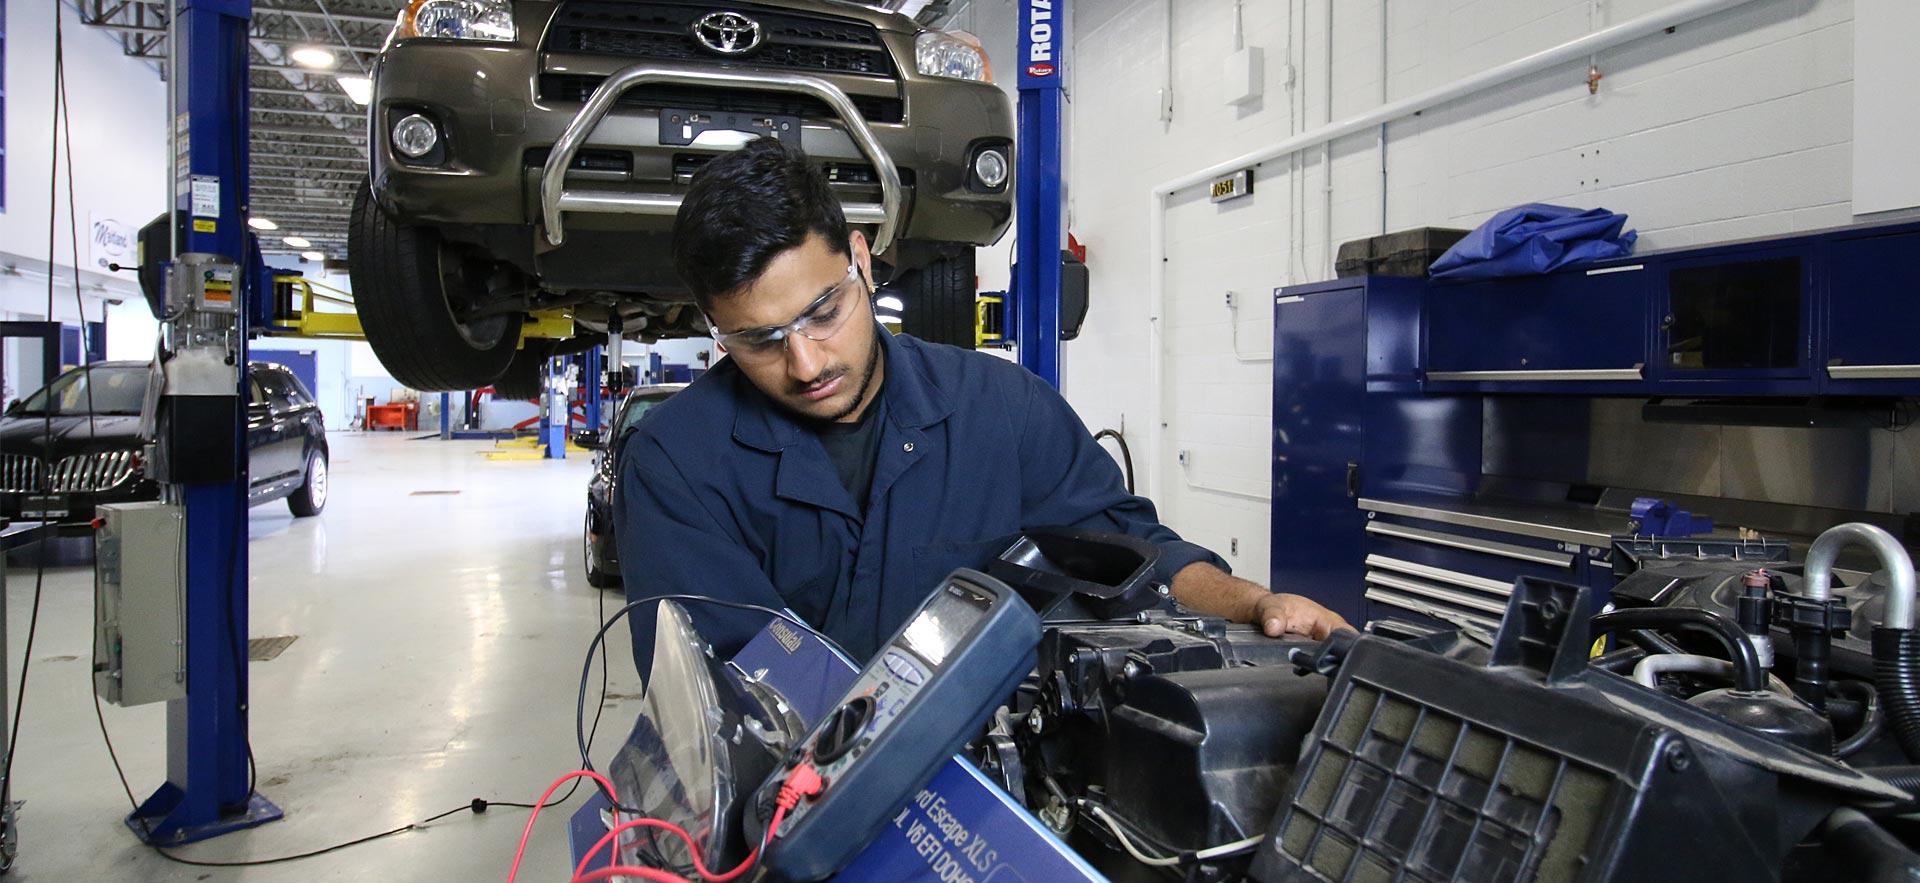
913,401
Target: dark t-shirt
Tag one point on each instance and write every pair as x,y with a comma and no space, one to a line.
852,448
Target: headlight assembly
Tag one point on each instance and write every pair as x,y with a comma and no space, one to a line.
953,54
490,20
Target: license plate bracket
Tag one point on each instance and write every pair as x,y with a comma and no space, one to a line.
43,507
680,127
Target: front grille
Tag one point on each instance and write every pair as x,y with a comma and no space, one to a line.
578,87
663,31
19,474
78,474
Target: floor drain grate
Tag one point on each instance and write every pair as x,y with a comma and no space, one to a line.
432,493
266,649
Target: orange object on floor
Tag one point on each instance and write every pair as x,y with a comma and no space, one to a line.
400,415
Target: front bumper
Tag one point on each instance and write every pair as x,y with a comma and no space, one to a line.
74,512
487,101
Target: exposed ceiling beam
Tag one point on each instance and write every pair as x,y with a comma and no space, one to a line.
159,32
313,131
259,9
308,112
326,91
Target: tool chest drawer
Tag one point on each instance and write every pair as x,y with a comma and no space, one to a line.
1445,572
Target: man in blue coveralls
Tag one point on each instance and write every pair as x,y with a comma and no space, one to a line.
835,469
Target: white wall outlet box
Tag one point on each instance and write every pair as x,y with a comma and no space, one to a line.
1243,75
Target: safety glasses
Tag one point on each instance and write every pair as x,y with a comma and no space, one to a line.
819,321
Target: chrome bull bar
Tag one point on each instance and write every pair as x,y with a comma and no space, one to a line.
556,198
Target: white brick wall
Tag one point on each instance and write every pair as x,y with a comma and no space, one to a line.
1735,126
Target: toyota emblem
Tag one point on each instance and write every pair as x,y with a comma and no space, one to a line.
728,33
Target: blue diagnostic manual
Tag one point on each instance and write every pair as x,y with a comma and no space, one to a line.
959,828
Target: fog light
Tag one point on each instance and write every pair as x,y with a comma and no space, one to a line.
415,136
990,167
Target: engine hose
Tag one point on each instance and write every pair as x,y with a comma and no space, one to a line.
1896,675
1747,673
1651,642
1872,720
1619,661
1872,854
1905,778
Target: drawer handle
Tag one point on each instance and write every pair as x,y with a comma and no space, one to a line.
1544,375
1436,593
1874,372
1470,544
1442,575
1423,608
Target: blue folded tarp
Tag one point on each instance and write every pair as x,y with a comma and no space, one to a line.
1535,238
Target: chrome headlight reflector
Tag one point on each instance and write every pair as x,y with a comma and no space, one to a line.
486,20
952,54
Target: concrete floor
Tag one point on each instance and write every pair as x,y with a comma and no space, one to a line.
440,643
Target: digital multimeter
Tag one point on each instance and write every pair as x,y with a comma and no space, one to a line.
919,699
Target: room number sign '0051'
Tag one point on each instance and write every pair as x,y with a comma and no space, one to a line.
1233,186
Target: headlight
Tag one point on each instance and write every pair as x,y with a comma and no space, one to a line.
457,20
953,54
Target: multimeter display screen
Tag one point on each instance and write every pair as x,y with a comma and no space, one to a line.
945,620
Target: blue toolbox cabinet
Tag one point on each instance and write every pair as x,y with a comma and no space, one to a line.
1383,389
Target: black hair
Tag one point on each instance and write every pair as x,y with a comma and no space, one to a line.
745,208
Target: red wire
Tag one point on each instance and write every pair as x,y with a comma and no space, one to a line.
779,815
521,853
630,871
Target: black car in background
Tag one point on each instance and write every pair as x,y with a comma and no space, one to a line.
76,443
602,555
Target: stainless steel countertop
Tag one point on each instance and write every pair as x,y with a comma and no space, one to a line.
1568,523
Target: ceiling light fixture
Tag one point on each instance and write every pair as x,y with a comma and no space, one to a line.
358,88
262,224
313,56
314,255
298,241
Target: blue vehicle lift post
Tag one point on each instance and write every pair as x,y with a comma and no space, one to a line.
1039,188
590,382
554,410
207,790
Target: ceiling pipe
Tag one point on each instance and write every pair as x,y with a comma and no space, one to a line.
1576,49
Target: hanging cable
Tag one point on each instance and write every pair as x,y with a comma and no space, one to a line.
1126,453
9,845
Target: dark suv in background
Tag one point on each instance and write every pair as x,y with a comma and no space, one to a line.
76,443
529,156
601,550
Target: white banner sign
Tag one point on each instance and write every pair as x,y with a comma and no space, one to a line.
111,242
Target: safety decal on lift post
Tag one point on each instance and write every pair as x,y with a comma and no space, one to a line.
206,196
216,290
182,167
206,203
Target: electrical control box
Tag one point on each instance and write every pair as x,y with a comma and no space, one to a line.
140,577
918,700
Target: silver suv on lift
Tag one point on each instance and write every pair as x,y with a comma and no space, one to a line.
527,158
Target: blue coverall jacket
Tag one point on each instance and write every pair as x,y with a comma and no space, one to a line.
724,494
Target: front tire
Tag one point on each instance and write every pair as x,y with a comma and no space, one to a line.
939,301
408,283
311,497
596,577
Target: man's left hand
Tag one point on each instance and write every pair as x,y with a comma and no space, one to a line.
1281,614
1202,587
